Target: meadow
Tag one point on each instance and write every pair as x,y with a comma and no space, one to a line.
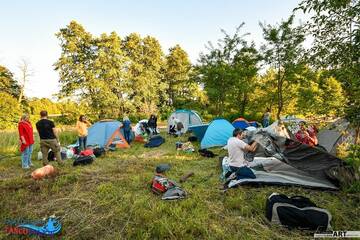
111,198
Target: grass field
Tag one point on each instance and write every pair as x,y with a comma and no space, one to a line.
111,199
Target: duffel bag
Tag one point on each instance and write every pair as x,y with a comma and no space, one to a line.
99,151
297,212
83,160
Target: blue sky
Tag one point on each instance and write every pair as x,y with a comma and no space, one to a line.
28,27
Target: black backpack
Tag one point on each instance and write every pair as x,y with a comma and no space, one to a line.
99,151
83,160
296,212
206,153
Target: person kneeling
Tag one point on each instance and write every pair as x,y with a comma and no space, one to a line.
236,149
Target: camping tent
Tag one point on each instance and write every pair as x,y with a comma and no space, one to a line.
242,123
199,130
187,117
106,132
217,133
335,134
279,162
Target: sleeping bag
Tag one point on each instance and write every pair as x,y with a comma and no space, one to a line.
155,141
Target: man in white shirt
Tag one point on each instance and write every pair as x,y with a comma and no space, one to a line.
236,149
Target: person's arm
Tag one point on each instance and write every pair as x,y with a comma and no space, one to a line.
252,147
311,139
21,133
88,123
55,132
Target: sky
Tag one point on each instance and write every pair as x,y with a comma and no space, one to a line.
28,28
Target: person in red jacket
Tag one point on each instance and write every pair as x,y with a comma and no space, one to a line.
26,136
306,136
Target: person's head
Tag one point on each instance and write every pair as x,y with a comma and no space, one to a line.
25,117
126,118
43,114
239,133
302,126
82,118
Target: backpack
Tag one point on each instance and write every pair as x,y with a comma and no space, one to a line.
51,156
87,152
206,153
83,160
99,151
296,212
161,184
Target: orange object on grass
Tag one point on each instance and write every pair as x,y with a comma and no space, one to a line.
40,173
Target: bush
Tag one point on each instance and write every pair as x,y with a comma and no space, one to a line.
10,111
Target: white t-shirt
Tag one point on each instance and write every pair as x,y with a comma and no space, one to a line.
236,151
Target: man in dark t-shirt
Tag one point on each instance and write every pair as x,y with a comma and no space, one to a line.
48,138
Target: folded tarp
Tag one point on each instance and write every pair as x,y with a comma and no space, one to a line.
276,172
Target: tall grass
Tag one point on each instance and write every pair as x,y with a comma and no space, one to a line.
111,199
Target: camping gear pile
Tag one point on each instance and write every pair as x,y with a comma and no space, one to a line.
169,189
185,147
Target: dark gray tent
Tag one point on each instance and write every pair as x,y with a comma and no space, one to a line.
286,162
334,134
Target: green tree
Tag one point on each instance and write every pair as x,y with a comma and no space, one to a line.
176,75
7,82
228,72
144,72
335,27
283,51
10,111
92,69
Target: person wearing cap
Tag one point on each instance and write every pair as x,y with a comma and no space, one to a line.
236,149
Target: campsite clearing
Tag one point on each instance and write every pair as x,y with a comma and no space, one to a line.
111,198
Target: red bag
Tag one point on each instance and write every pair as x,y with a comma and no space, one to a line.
87,152
161,184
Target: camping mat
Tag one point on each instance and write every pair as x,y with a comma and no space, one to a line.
279,173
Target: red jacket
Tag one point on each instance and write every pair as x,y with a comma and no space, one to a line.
25,131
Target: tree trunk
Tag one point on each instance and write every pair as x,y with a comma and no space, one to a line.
357,135
243,104
280,96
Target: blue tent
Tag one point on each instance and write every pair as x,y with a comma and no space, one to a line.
199,130
100,132
241,123
217,134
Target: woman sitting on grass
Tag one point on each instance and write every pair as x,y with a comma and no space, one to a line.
26,137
